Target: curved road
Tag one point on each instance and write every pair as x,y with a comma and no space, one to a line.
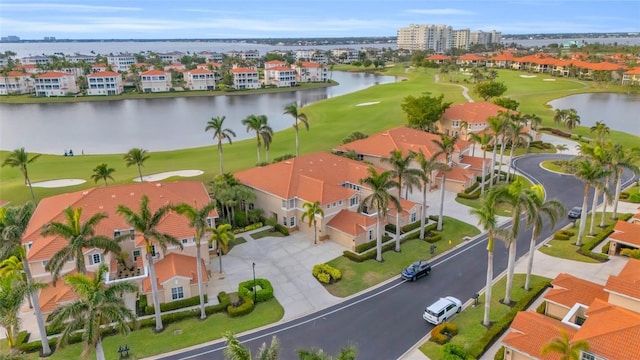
384,322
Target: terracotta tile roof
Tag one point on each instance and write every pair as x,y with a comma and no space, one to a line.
314,177
175,264
406,206
103,74
438,57
471,57
200,71
627,282
457,173
153,72
530,331
243,70
107,199
476,112
475,162
309,64
52,74
611,331
352,223
626,232
51,296
505,56
279,68
568,290
211,63
276,62
634,71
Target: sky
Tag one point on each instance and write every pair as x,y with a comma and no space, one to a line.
227,19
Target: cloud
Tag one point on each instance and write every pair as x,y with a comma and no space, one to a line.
66,7
445,11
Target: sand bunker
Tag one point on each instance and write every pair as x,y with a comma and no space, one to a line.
368,103
58,183
168,174
548,79
528,76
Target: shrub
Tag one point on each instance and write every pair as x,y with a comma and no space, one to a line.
441,334
223,300
499,354
366,246
281,229
174,305
471,188
435,237
245,308
560,133
586,247
605,247
453,352
245,289
326,274
471,196
23,337
635,198
541,308
283,157
624,195
559,235
35,346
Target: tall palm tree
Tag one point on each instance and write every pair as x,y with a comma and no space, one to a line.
507,119
622,159
572,119
485,140
591,174
517,135
310,212
553,209
379,199
497,125
98,305
236,351
601,129
145,223
199,222
13,223
533,120
562,345
102,172
446,146
257,123
222,236
266,133
13,290
427,167
406,177
136,156
80,236
221,134
560,116
346,353
602,154
293,110
19,158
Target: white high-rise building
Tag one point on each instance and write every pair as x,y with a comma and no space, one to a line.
485,38
461,38
438,38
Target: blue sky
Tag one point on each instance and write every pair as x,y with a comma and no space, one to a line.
118,19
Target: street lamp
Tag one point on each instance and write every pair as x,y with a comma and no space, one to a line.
255,293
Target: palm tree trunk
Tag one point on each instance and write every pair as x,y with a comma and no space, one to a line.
488,285
219,256
154,291
532,250
379,238
398,220
501,157
423,211
33,197
140,172
99,349
593,211
203,314
484,166
614,216
605,200
46,350
297,143
493,163
258,151
444,178
510,270
583,215
315,231
510,162
220,156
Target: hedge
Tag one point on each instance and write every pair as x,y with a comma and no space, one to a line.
257,225
560,133
245,308
499,354
326,274
281,229
634,198
265,293
472,196
174,305
370,255
405,229
605,248
439,333
541,308
471,188
586,248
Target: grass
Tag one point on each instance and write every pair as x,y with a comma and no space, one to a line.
553,165
265,233
567,249
237,240
179,335
360,276
469,322
502,209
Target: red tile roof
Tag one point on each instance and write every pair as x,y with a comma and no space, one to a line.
103,74
471,57
153,72
16,74
475,112
634,71
569,290
276,62
200,71
53,295
53,74
531,331
627,282
438,57
314,177
279,68
457,173
475,162
310,64
626,232
107,199
243,70
505,56
352,223
406,205
172,265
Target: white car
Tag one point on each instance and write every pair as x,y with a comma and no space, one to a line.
441,310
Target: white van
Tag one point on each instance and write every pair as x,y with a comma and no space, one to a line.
441,310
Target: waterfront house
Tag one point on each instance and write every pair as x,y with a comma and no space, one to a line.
345,55
104,83
170,57
470,60
16,82
155,81
36,60
121,62
500,61
280,76
274,64
310,72
55,83
245,55
245,78
631,77
176,67
100,67
28,68
74,59
314,55
200,79
210,56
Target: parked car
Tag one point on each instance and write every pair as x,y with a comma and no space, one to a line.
441,310
575,213
416,270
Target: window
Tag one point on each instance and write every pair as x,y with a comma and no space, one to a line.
210,222
177,293
413,217
292,203
284,204
95,259
340,202
44,263
116,233
292,223
133,234
153,251
284,220
370,234
185,241
136,254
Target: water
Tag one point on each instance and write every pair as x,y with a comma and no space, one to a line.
633,41
619,111
154,124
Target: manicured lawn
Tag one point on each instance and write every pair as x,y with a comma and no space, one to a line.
469,322
179,335
553,165
360,276
566,249
265,233
236,241
502,209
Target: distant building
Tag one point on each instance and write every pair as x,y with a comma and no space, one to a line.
200,79
155,81
104,83
314,55
345,55
310,72
55,83
280,76
485,38
10,38
170,57
36,60
245,55
74,59
16,82
121,62
244,78
438,38
461,39
210,56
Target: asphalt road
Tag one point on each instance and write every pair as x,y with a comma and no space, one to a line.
383,323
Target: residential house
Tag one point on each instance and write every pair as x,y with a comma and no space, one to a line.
155,81
280,76
501,61
473,115
274,64
314,55
626,235
210,56
244,78
631,77
28,68
310,72
100,67
439,58
175,67
170,57
200,79
16,82
176,277
104,83
54,83
245,55
345,55
36,60
121,62
74,59
470,60
132,267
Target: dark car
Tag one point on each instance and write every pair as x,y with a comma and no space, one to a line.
575,213
416,270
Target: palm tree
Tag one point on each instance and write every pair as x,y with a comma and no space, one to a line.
293,110
13,290
406,177
427,167
266,133
220,133
379,199
590,173
601,129
257,123
236,351
136,156
98,305
446,146
346,353
553,209
560,116
484,141
102,172
516,135
497,125
533,119
199,222
622,159
19,158
602,155
145,223
222,236
13,223
572,119
311,210
562,345
80,236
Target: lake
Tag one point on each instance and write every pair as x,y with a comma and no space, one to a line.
619,111
105,127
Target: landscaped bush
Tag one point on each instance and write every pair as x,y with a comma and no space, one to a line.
281,229
223,299
586,247
366,246
471,196
433,237
541,308
371,254
624,195
245,289
559,132
405,229
454,352
635,198
250,227
35,346
192,301
559,235
326,274
245,308
605,247
283,157
441,334
499,354
471,188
